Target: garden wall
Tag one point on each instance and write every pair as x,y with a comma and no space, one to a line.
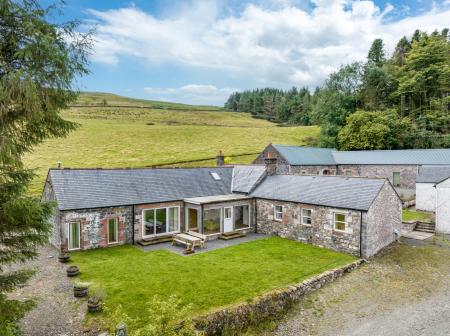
271,305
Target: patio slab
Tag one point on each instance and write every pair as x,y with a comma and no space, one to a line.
211,245
419,235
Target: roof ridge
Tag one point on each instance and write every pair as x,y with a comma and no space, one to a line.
137,168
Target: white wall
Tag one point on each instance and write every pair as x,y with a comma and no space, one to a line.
443,207
425,196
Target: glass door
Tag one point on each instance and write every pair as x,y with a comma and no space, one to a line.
74,235
192,218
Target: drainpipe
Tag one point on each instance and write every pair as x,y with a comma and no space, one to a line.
256,216
133,219
360,234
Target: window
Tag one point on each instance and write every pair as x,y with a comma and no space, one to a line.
74,236
241,217
112,230
215,176
278,215
227,213
326,172
396,179
339,221
348,173
161,221
306,216
211,221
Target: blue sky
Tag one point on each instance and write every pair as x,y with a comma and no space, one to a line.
201,51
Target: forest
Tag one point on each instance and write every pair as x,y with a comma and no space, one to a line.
395,102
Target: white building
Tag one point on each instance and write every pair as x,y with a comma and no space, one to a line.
443,206
426,180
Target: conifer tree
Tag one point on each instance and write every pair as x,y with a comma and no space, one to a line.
38,63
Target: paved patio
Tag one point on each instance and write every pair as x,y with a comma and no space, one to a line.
211,245
419,235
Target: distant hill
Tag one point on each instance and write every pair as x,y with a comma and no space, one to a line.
113,100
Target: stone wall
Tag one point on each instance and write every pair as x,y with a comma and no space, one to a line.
407,173
282,165
382,224
313,170
94,226
321,232
236,319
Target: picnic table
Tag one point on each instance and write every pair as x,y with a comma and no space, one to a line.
189,241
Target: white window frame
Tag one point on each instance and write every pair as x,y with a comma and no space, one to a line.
334,220
79,235
167,223
301,216
116,220
275,212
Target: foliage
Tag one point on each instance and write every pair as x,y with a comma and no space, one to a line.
338,98
37,67
160,318
414,82
375,130
291,106
209,280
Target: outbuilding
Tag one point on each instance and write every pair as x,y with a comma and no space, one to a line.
426,180
443,206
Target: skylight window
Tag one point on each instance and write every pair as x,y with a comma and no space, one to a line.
215,176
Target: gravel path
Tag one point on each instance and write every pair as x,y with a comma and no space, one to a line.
57,312
405,292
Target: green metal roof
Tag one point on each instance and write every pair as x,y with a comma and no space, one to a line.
298,156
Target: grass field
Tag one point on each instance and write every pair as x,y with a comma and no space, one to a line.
208,280
133,137
414,215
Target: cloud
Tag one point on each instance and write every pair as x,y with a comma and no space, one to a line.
204,94
280,45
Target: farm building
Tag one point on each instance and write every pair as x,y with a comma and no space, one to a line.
443,206
427,178
399,166
107,207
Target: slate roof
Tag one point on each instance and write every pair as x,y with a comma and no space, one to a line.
433,174
298,155
246,177
94,188
333,191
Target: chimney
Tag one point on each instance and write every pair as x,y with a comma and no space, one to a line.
271,163
59,163
220,159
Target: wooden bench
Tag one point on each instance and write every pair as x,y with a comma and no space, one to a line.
200,236
182,242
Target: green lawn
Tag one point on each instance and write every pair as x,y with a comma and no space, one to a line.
413,215
120,137
208,280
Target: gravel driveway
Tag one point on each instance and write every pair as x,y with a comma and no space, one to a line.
57,311
404,292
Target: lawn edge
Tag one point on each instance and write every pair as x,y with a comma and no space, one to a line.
269,305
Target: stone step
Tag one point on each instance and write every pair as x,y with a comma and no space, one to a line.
424,230
426,226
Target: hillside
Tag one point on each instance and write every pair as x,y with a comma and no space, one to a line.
136,137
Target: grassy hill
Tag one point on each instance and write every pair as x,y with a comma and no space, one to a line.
135,137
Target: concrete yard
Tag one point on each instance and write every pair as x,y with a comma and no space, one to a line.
403,292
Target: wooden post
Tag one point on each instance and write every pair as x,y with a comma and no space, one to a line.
122,329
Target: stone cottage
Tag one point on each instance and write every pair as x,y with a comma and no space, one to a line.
399,166
107,207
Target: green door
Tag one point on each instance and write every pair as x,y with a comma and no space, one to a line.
396,179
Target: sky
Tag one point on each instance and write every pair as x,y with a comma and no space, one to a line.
199,52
